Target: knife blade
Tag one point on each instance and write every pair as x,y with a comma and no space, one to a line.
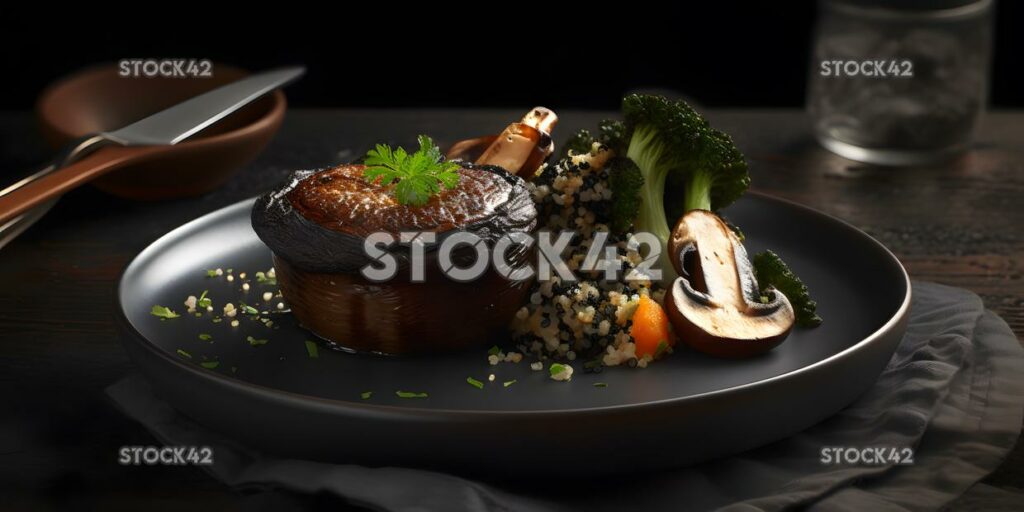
167,127
177,123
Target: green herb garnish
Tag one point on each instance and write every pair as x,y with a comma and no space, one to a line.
263,279
312,349
211,273
556,368
419,175
209,365
600,385
204,301
255,342
509,383
366,395
475,383
494,350
205,337
249,310
410,394
163,312
184,354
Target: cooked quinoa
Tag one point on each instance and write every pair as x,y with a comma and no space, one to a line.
588,320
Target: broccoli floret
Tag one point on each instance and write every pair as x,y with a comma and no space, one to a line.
772,272
669,138
579,143
626,182
613,134
610,133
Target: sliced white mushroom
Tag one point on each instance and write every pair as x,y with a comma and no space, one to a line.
714,306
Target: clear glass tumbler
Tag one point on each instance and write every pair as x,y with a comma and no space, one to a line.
899,82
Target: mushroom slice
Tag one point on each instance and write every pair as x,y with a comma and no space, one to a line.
715,306
520,149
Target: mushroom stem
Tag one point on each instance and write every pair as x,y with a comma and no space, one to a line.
524,145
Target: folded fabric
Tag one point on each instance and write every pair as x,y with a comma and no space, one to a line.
952,397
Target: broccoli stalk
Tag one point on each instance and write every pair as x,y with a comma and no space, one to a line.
668,138
697,195
646,150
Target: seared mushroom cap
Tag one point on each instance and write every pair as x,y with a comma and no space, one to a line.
318,220
715,305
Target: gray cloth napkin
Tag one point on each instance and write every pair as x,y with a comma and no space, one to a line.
953,392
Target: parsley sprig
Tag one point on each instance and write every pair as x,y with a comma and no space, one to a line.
419,175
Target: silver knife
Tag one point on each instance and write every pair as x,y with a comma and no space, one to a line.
166,127
177,123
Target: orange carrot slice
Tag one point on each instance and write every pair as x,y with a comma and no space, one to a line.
650,328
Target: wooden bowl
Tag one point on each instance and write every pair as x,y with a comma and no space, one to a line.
98,99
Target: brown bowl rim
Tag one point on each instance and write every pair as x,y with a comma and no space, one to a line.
264,122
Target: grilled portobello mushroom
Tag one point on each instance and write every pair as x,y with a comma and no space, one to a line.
316,225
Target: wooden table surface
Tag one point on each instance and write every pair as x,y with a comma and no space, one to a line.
958,224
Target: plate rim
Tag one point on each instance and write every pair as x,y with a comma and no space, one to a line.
402,411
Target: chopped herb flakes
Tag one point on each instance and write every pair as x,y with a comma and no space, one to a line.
184,354
163,312
509,383
209,365
211,273
264,279
494,350
204,301
600,385
249,310
205,337
312,349
409,394
365,395
561,372
255,342
475,383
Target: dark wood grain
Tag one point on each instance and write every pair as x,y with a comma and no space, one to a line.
958,224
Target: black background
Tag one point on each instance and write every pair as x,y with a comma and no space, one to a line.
726,54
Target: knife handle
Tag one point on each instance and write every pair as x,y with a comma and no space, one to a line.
64,179
71,152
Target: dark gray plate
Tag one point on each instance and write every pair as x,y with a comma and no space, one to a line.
687,408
